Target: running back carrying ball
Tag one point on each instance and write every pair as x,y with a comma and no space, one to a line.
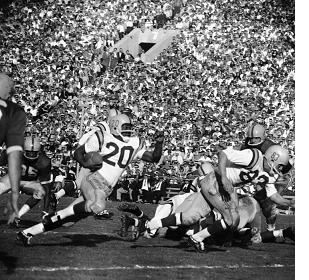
94,160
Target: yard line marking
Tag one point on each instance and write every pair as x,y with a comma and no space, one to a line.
141,267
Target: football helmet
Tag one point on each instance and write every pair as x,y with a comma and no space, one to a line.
254,132
277,157
204,169
6,87
32,147
121,125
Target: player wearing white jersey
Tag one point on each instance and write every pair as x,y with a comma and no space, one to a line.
101,127
83,172
218,191
174,204
118,150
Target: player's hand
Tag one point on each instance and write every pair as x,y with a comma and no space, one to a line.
227,184
292,203
12,213
159,136
226,197
95,167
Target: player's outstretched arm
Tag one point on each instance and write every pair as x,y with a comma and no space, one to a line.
279,200
156,154
14,164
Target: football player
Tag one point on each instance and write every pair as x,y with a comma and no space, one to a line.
83,172
167,207
35,177
218,191
118,148
256,138
12,127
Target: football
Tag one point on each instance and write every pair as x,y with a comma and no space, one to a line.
93,158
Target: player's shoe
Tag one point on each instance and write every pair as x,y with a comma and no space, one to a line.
53,202
103,215
246,238
197,246
24,238
140,229
129,207
15,223
126,222
289,233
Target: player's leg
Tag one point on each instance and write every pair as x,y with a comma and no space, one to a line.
133,209
5,184
5,187
268,208
83,172
249,227
229,210
95,191
197,208
35,190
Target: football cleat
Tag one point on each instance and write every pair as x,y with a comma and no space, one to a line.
289,233
246,238
15,223
197,246
24,238
103,215
126,222
140,229
129,207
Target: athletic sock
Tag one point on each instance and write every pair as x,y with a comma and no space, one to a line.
23,210
278,233
34,230
60,193
216,227
271,227
268,236
154,224
172,220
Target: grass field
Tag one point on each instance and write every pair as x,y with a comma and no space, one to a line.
92,249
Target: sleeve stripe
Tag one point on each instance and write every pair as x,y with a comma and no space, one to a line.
255,158
14,148
251,131
100,137
102,127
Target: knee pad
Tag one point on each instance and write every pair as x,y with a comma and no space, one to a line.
39,193
94,206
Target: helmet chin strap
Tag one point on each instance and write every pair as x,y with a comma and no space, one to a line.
125,139
271,172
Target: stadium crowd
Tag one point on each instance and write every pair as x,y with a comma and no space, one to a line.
230,64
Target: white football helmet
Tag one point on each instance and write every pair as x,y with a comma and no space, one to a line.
121,125
32,147
277,157
205,168
256,131
6,87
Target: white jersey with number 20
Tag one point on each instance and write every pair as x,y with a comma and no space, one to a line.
116,154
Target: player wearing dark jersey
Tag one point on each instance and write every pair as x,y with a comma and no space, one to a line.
35,177
12,127
256,138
